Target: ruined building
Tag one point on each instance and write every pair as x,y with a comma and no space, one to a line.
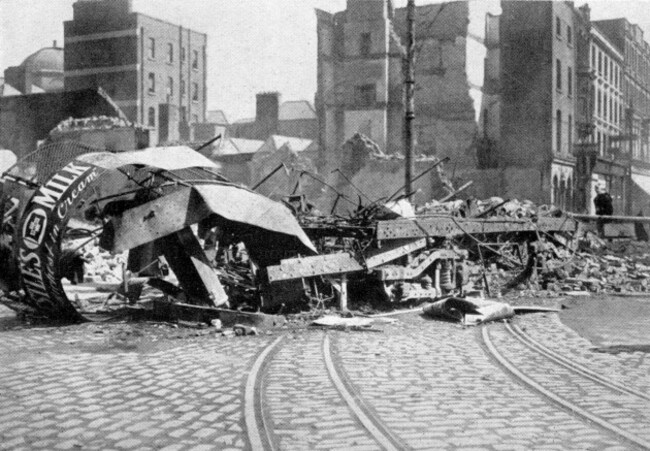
154,70
360,82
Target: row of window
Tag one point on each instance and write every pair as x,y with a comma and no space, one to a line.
603,140
558,31
638,97
170,87
558,77
170,53
602,136
637,62
559,126
605,67
151,116
608,107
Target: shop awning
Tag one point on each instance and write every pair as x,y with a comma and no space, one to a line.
642,181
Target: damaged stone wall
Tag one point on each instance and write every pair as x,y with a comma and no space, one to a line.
508,183
445,116
364,173
285,180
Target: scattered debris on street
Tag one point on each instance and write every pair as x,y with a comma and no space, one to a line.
469,311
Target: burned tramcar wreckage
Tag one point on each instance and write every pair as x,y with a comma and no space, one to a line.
381,256
140,214
106,231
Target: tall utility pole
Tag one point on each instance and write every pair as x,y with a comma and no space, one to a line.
409,92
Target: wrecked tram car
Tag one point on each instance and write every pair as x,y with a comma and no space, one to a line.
140,214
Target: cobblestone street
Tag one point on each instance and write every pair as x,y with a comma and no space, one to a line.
418,385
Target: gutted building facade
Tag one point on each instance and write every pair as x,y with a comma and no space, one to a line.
360,81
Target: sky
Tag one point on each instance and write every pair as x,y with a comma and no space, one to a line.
253,45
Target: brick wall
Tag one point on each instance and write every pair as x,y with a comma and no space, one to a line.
142,62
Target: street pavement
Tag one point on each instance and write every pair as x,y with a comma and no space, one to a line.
419,384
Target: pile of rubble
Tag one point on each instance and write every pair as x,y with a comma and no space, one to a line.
494,206
613,267
90,123
102,266
617,268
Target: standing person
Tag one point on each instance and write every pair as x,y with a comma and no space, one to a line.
604,207
603,201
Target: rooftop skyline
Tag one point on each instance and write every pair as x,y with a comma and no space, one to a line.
253,45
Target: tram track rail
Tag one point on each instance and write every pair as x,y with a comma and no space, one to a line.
259,426
357,405
258,429
527,340
564,364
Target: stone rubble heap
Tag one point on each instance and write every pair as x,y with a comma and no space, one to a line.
620,267
102,266
494,206
617,268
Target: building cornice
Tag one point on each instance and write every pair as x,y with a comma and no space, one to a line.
596,33
99,36
101,70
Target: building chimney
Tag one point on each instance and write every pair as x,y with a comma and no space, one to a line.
363,10
88,11
54,43
267,113
586,12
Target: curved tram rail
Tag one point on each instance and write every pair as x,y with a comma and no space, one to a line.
259,427
567,366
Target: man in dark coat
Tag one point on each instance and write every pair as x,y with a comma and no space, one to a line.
604,207
603,202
